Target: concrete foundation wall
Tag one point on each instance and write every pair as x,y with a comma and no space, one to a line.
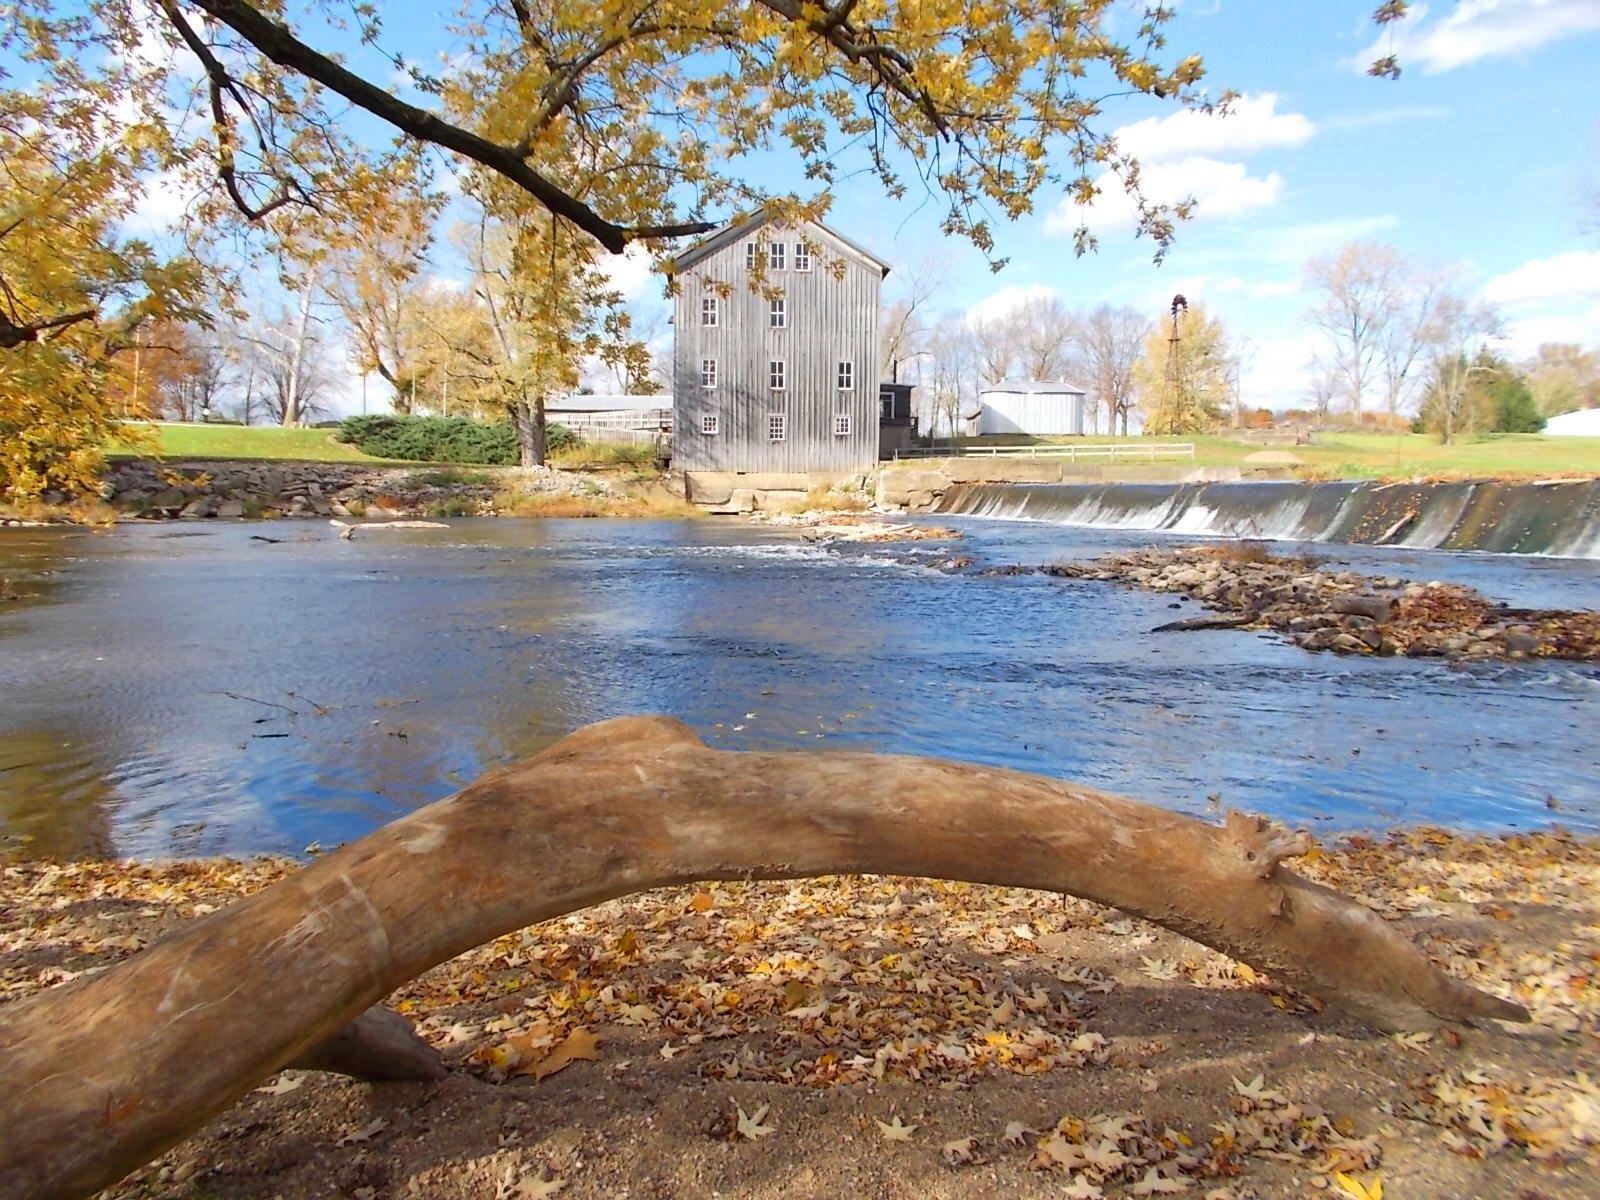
748,491
922,485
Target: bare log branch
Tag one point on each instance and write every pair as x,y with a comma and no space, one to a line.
166,1039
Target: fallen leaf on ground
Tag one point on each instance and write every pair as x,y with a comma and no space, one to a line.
579,1044
896,1130
750,1125
1353,1187
962,1150
365,1133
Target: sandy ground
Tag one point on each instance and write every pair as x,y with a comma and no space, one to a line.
900,1038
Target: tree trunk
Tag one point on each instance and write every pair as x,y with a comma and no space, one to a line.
103,1074
527,417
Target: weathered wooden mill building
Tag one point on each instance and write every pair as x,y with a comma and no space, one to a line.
780,377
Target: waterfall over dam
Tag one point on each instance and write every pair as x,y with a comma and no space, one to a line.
1557,518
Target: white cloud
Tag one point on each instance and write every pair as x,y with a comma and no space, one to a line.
1524,335
1542,280
160,206
1008,299
1479,29
631,272
1219,189
1293,244
1253,123
1257,289
1275,371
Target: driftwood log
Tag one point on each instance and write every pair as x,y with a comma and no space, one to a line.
102,1075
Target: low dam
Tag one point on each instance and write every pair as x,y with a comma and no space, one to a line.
1557,518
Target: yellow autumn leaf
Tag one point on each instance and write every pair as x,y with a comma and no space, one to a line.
1354,1188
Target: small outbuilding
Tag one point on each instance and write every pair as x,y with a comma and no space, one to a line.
1038,407
1583,423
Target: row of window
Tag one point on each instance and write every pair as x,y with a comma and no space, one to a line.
777,425
777,256
777,312
778,375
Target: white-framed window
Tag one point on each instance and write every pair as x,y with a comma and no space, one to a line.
708,311
708,372
708,424
776,375
776,423
802,257
841,425
847,376
777,313
751,253
775,256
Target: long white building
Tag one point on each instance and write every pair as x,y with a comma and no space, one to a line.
1029,406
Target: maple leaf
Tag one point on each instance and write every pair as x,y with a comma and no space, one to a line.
536,1187
750,1125
530,1187
1255,1090
961,1150
454,1034
579,1044
1155,1183
896,1130
1354,1188
1017,1133
1081,1189
284,1083
1105,1156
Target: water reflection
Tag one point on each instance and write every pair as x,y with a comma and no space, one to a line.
206,693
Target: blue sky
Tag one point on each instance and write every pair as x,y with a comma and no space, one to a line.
1478,157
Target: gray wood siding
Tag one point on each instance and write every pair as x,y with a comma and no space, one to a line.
830,319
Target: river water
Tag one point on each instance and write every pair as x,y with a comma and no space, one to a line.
188,689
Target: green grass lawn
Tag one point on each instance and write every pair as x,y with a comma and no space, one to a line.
1341,455
241,441
1382,455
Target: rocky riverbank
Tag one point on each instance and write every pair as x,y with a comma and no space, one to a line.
1344,611
195,490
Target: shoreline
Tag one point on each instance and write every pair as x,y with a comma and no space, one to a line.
909,1039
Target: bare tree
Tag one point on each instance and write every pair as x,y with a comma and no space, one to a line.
1360,290
996,342
1463,328
905,325
1323,388
289,362
952,380
1109,343
1046,333
1404,337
